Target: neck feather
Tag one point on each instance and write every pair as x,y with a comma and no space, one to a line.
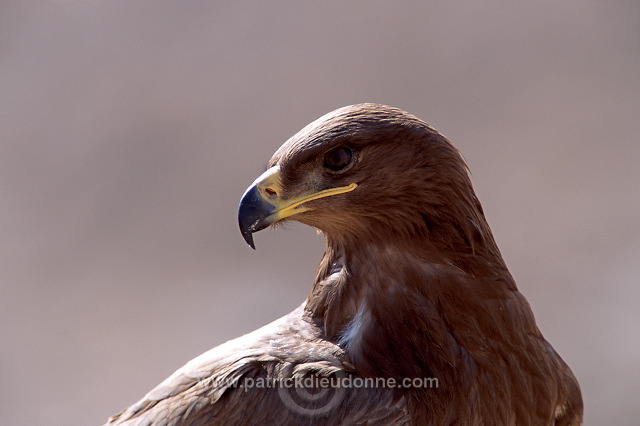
413,314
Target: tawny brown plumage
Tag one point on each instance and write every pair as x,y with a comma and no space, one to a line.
411,285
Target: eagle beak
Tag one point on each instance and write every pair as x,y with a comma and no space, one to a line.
262,203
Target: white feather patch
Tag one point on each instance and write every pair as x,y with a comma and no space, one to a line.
352,335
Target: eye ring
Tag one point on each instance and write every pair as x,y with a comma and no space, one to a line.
338,159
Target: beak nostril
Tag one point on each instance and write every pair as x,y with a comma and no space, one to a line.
271,193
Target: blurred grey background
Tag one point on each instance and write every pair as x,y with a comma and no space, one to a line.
130,129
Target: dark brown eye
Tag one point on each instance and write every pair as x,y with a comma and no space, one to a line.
338,158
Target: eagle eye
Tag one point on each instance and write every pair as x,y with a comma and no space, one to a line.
338,158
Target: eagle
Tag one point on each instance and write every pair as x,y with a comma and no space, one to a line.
413,317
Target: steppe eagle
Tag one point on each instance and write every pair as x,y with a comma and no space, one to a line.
413,316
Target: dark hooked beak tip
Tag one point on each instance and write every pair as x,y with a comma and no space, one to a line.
253,214
248,237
